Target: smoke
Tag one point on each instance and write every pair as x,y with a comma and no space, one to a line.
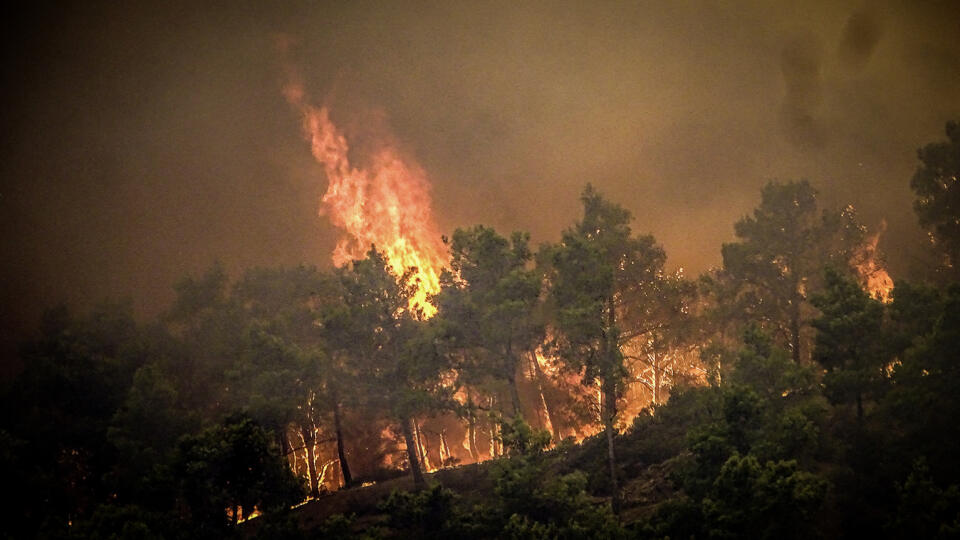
861,33
144,142
800,62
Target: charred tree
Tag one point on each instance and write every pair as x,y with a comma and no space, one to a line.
309,442
341,452
412,451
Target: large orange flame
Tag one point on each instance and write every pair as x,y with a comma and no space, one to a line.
873,276
386,203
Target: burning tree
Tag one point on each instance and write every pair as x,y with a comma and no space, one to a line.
396,367
937,185
847,345
662,343
386,202
601,279
779,256
489,300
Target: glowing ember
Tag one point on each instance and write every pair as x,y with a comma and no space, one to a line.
386,203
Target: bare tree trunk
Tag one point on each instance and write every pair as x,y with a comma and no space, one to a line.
405,425
549,424
444,451
514,393
341,453
795,327
285,447
610,413
472,429
308,442
656,379
421,445
493,432
609,387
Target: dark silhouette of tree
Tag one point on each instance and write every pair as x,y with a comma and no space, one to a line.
781,250
664,350
396,366
937,186
57,414
284,375
489,301
602,283
232,466
850,343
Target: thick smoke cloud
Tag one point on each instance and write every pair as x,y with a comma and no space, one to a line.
801,64
144,142
861,33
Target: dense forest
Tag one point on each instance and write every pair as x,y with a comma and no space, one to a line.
578,389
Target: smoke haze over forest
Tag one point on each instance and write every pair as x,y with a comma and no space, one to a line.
144,143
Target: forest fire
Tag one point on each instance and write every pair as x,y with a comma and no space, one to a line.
873,276
481,270
385,203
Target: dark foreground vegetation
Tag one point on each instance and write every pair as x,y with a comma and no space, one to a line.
805,400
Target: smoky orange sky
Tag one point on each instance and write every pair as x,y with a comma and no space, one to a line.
144,143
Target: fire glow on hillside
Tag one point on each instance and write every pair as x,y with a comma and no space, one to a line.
380,197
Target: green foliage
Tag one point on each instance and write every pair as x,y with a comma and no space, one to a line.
768,370
604,281
938,195
530,499
58,411
113,522
431,513
536,504
776,261
393,354
604,285
519,438
489,305
913,313
145,431
923,402
194,296
773,500
850,344
114,429
280,526
232,465
926,510
395,366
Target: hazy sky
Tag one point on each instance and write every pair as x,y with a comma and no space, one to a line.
140,143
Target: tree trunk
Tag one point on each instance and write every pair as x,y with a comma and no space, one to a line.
444,448
285,446
795,326
421,445
514,393
656,379
405,425
538,373
472,429
493,432
610,413
609,388
341,453
308,442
